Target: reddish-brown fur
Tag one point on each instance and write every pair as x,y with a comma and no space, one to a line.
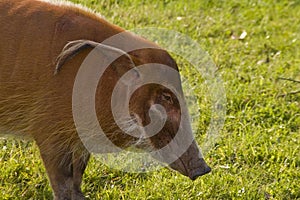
36,102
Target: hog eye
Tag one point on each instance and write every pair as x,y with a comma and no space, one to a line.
167,97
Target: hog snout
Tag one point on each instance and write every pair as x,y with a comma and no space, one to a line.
191,163
193,170
199,171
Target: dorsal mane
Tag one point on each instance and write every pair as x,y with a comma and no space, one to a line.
78,8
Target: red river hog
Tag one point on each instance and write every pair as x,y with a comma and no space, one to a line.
43,45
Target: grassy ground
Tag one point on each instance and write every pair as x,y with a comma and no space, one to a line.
258,156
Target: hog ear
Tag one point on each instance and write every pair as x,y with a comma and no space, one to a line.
75,47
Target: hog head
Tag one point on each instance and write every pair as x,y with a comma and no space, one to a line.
163,105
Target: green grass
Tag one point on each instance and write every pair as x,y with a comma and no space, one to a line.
258,156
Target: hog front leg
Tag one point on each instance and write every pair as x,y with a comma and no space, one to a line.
65,166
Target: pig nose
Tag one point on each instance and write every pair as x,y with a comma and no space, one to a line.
199,172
